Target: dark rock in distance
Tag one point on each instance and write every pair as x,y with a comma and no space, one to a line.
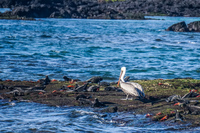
102,9
178,27
194,26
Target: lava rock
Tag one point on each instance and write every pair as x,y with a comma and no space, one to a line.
98,9
178,27
194,26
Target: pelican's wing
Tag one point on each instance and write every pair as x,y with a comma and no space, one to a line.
128,88
139,87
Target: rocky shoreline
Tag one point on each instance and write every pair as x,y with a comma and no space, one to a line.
9,16
182,27
101,9
170,100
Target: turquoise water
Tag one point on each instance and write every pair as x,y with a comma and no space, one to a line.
29,50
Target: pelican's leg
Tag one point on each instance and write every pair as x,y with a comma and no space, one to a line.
127,97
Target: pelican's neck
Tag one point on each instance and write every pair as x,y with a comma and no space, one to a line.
123,74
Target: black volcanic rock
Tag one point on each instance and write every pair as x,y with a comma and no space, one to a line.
178,27
35,11
194,26
102,9
182,27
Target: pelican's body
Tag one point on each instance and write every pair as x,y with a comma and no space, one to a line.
130,88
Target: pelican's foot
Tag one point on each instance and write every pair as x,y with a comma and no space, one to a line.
130,99
127,99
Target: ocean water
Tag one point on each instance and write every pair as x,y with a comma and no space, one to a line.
81,49
35,118
76,48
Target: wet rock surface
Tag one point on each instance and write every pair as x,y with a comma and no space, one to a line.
165,100
182,27
101,9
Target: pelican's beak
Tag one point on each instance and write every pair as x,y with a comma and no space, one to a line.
119,78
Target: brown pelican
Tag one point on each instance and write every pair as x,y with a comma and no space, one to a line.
130,88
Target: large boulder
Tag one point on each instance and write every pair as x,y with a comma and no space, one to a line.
194,26
178,27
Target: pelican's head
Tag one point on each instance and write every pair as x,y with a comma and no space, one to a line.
122,73
123,69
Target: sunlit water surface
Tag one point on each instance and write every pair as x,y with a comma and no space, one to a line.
29,50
